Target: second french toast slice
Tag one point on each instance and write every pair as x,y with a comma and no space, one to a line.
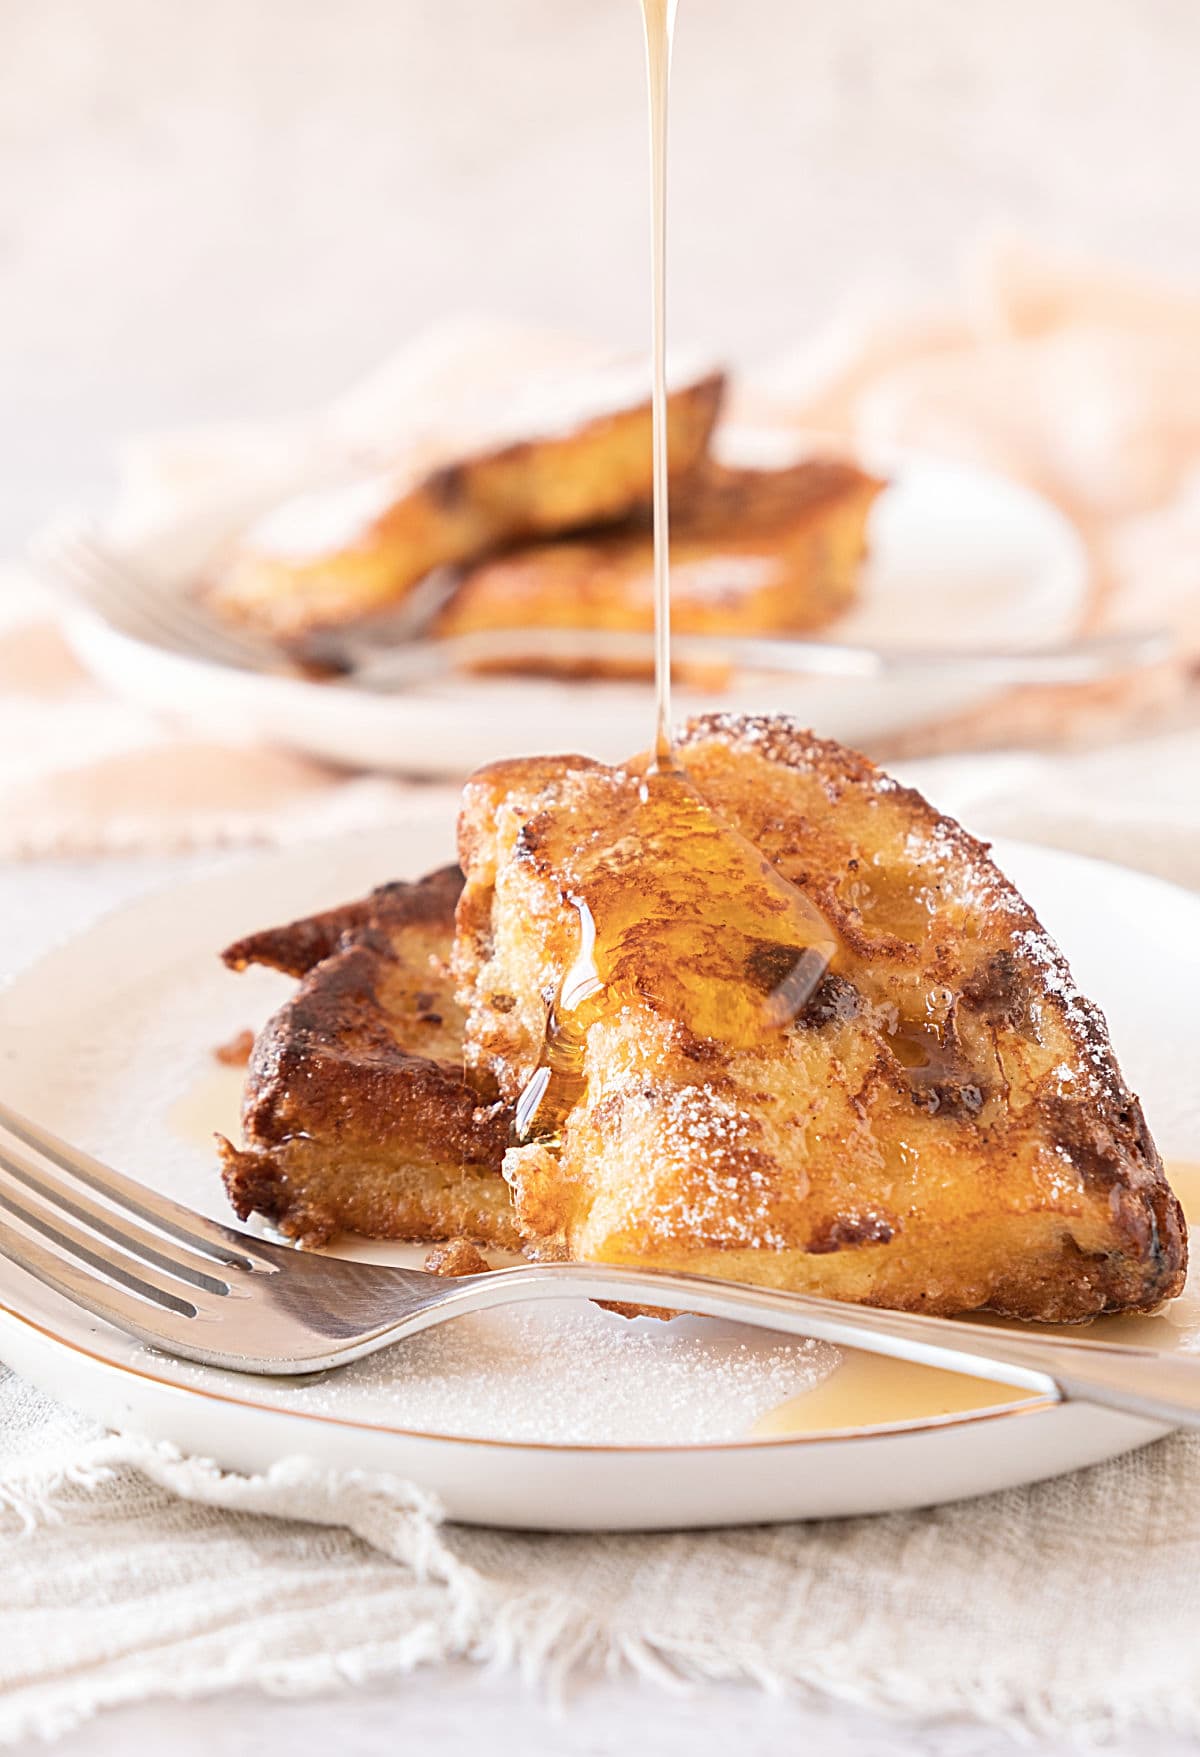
575,452
356,1115
753,551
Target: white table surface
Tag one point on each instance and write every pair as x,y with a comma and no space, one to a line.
453,1709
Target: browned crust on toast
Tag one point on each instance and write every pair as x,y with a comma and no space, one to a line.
943,1127
296,947
356,1114
596,470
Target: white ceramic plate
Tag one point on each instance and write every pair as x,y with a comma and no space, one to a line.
959,558
558,1417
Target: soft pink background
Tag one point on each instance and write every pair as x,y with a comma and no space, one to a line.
236,207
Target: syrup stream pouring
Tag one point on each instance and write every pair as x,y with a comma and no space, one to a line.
693,894
658,17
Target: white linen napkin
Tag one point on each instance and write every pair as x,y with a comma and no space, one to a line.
131,1574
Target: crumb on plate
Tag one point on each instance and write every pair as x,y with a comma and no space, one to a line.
458,1256
235,1053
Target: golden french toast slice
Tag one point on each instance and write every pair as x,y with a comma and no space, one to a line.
356,1115
355,549
752,552
938,1124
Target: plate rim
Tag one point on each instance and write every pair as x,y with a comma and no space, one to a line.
1036,1404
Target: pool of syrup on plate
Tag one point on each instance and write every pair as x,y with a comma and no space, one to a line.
869,1390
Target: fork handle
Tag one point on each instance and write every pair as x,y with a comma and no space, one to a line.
1143,1382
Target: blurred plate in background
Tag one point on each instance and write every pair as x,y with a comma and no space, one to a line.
960,558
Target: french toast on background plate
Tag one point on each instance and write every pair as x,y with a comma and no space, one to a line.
762,551
544,523
938,1124
354,548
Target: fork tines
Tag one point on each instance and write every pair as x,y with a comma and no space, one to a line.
73,559
83,1235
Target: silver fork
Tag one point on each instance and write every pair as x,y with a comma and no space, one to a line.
74,560
210,1293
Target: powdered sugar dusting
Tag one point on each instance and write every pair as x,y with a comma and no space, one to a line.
1082,1017
571,1374
718,579
758,731
554,404
326,520
783,739
722,1197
